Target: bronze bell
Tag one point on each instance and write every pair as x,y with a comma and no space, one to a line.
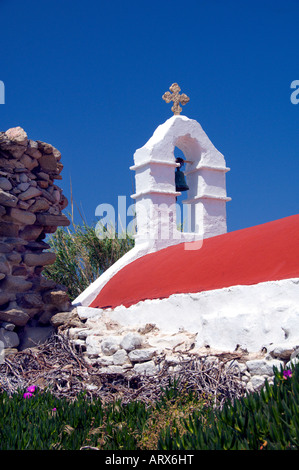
180,181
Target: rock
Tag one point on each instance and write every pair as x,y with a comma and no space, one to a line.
5,248
112,370
5,184
8,229
32,149
17,135
31,336
58,298
17,316
61,318
131,341
30,300
4,298
14,257
31,232
110,345
142,355
19,271
9,338
16,284
40,205
44,147
7,199
7,326
23,186
256,383
52,220
146,368
23,217
48,163
31,192
93,345
263,366
28,162
4,266
105,361
2,211
120,358
282,352
39,259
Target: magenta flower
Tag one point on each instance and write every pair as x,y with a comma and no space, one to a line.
31,389
287,373
27,395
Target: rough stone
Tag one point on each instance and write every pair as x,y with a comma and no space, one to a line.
48,162
17,316
4,298
8,229
5,184
32,149
31,232
59,298
17,135
31,336
263,366
61,318
110,345
131,341
16,284
9,338
39,259
40,205
31,192
146,368
52,220
142,355
7,199
120,358
23,217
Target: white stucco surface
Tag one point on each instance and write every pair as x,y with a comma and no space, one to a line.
252,316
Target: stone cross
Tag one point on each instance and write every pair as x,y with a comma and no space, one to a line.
176,98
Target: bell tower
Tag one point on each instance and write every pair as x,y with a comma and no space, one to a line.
156,191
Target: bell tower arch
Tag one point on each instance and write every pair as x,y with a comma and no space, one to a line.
156,194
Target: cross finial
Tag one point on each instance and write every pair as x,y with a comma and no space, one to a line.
176,98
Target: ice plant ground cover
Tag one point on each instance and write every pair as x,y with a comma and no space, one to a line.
35,419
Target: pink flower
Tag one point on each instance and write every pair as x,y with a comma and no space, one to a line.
31,389
287,373
27,395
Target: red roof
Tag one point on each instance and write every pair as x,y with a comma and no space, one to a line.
267,252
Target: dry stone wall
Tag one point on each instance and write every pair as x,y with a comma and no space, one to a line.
31,206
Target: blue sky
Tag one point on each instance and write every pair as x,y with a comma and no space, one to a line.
88,78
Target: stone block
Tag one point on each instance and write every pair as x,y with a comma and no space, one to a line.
146,368
142,355
9,338
131,341
39,259
110,345
22,217
17,316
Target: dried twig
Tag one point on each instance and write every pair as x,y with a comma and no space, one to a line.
56,365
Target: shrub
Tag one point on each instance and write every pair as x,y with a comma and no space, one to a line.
81,257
